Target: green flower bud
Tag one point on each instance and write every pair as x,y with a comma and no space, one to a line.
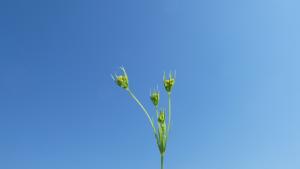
161,117
162,132
155,98
121,80
169,83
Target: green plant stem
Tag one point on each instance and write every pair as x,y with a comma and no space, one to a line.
162,161
170,113
146,112
156,109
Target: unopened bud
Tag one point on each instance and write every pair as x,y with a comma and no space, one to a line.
155,98
121,80
161,117
169,83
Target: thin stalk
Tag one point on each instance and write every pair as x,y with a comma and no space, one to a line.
157,115
156,109
146,112
162,161
170,113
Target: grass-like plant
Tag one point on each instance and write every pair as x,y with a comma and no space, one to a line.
161,133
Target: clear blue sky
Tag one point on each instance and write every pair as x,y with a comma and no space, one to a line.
236,98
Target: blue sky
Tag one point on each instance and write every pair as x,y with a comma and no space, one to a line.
235,101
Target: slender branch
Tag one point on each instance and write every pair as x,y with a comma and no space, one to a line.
146,112
156,109
170,113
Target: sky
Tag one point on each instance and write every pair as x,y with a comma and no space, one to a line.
235,100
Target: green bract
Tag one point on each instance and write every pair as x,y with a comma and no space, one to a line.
161,133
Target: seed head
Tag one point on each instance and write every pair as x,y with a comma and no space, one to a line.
161,117
121,80
169,83
155,97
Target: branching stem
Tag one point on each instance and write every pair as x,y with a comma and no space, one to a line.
146,112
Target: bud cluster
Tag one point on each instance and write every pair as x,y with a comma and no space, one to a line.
162,132
161,117
121,80
169,83
154,96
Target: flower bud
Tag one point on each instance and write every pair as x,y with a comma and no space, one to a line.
169,83
155,98
162,132
161,117
121,80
